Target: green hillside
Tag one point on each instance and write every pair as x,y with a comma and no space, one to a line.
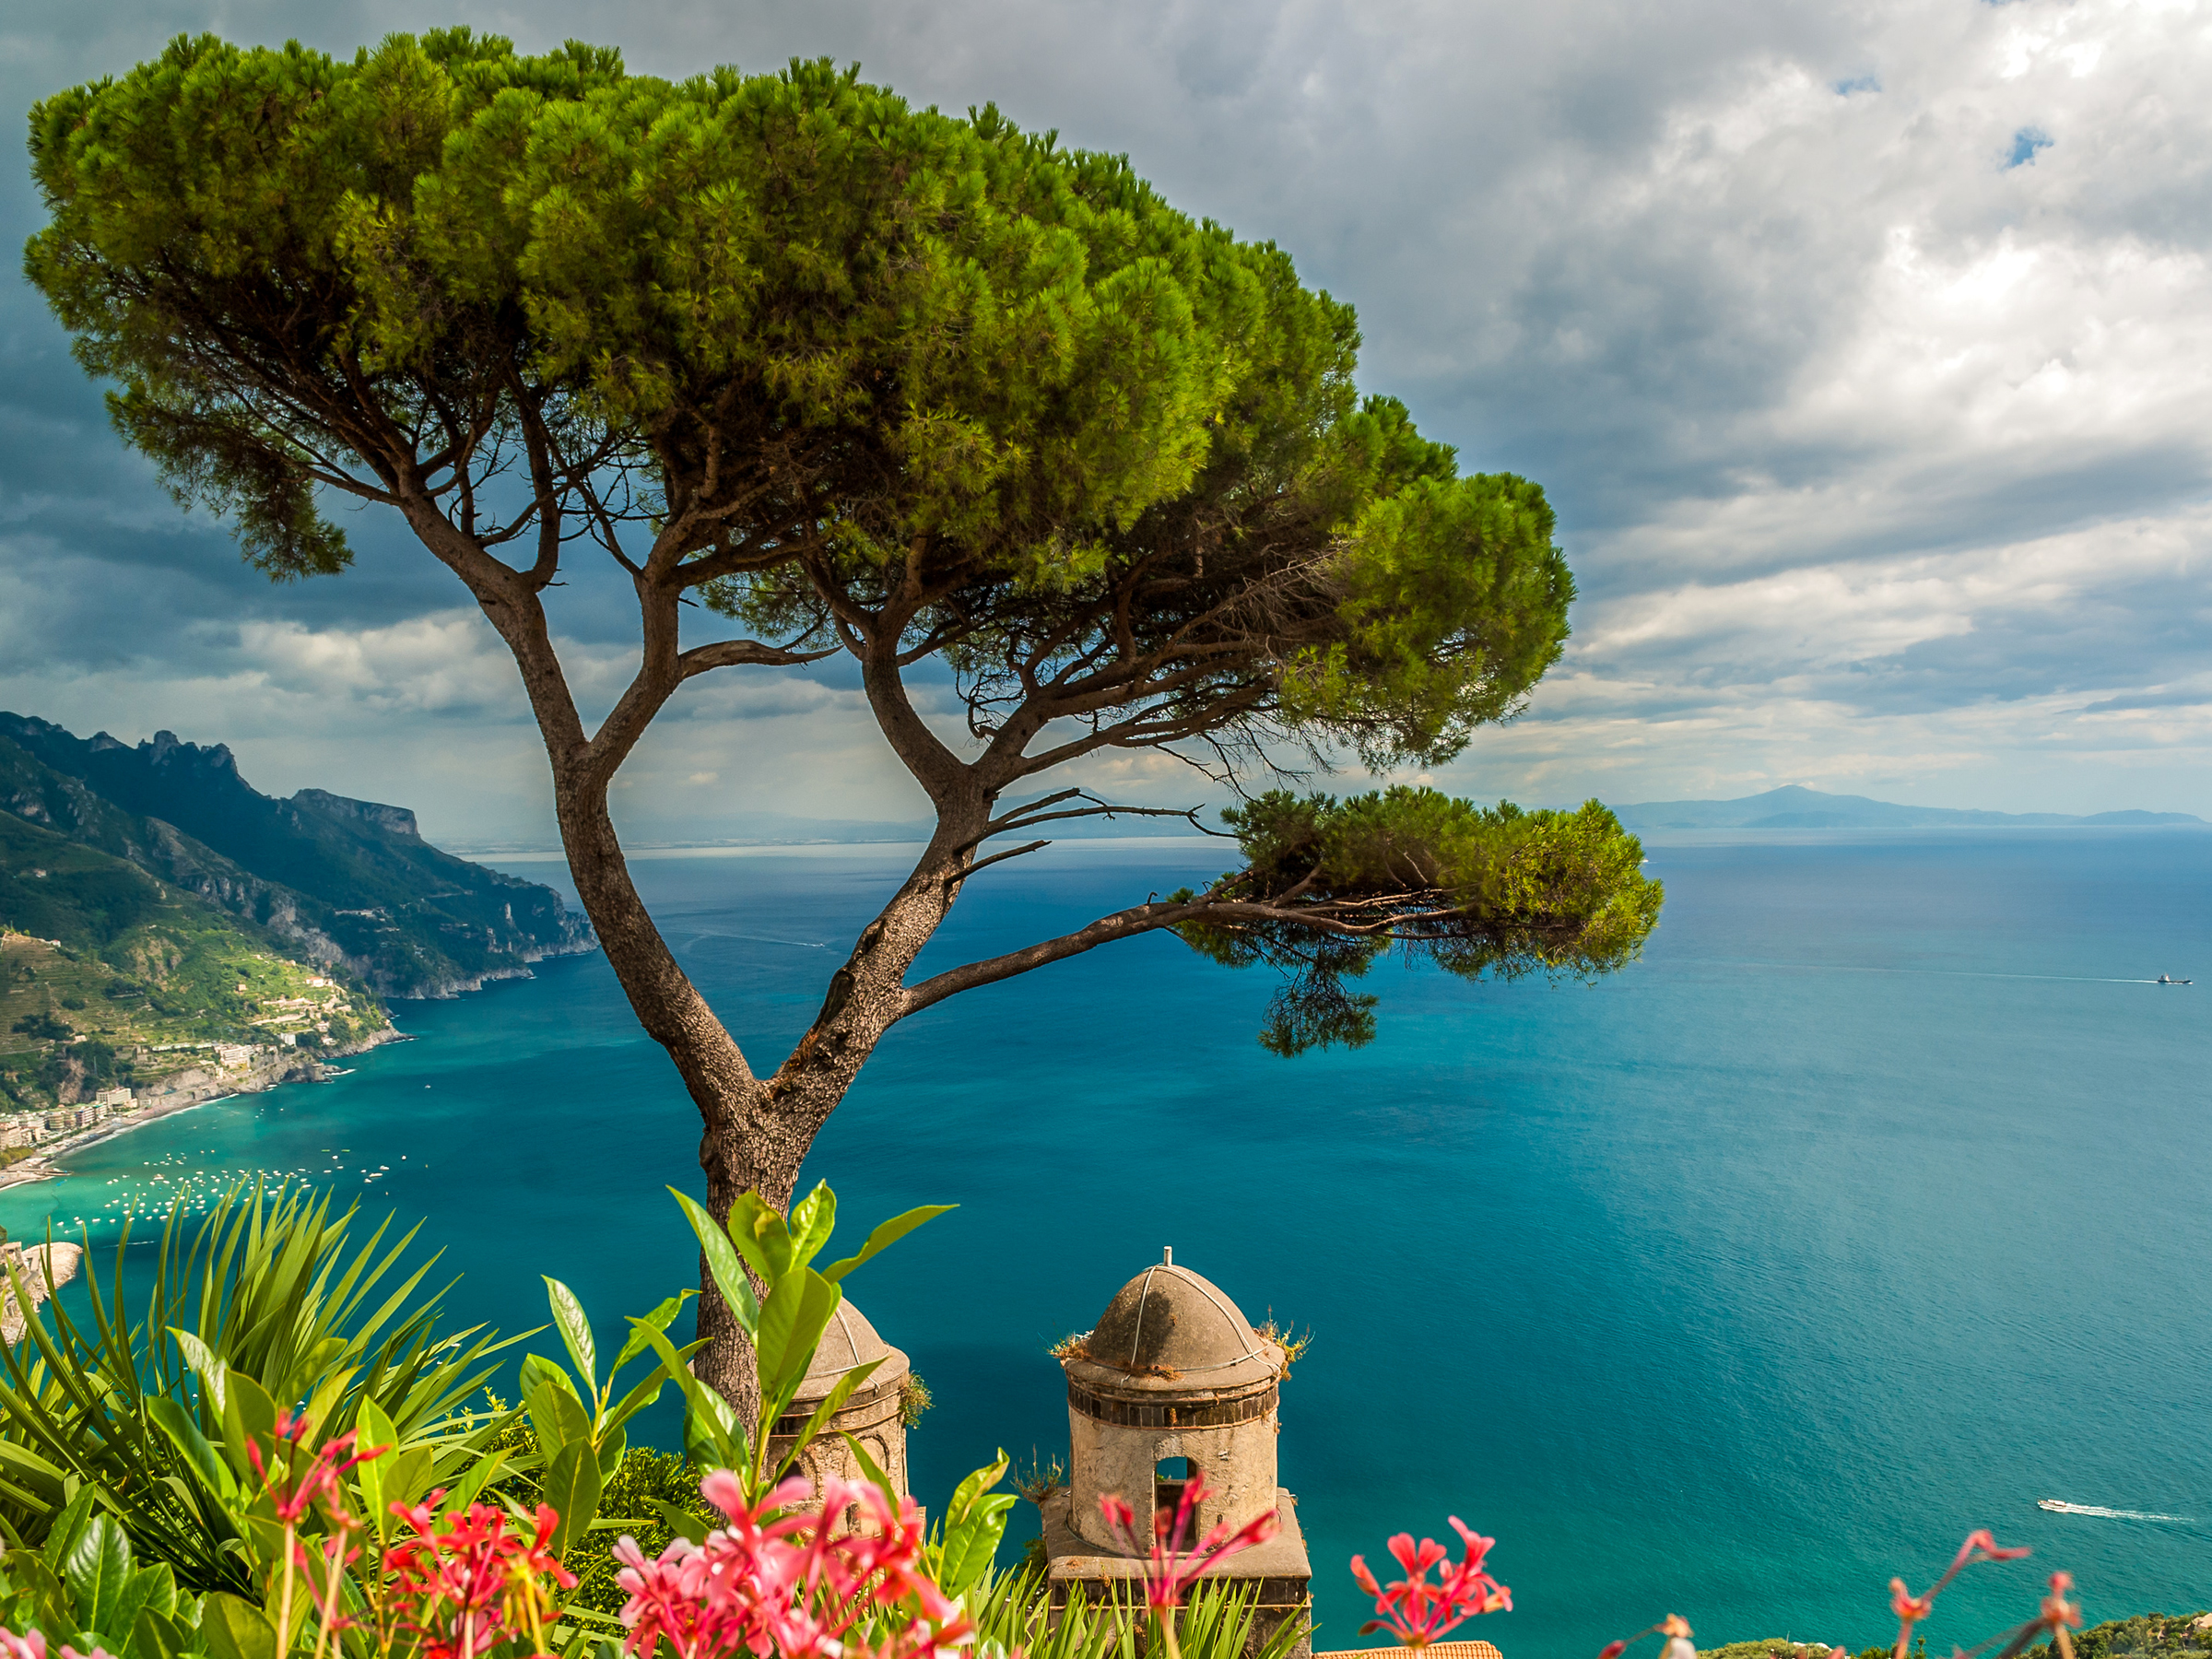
99,961
345,882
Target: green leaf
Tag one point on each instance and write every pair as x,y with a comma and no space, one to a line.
682,1521
235,1628
758,1230
406,1477
60,1537
660,1319
464,1491
571,1485
575,1330
248,1413
205,1462
832,1402
375,1431
714,1430
555,1414
211,1372
974,1520
98,1570
722,1264
608,1452
812,1221
888,1234
798,1310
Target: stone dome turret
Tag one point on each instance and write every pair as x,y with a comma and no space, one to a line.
849,1341
872,1414
1169,1330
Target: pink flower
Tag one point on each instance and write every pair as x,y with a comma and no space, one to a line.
785,1576
1980,1546
1173,1564
31,1644
1418,1612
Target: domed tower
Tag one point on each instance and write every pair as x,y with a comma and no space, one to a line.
1172,1382
871,1416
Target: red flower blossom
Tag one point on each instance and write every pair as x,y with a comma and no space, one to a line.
1173,1563
469,1582
1418,1612
294,1489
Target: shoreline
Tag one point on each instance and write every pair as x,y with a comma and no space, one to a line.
42,1165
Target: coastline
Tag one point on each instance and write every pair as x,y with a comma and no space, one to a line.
205,1089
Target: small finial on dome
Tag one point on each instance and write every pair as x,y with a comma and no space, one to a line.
1166,1255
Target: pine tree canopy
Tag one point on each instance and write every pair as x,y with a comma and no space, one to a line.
858,378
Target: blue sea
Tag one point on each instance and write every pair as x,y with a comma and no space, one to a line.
1873,1206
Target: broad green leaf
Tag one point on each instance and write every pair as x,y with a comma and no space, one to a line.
406,1477
723,1264
974,1520
571,1485
375,1432
555,1414
61,1537
791,1329
812,1221
723,1445
235,1628
575,1330
682,1521
174,1420
98,1570
608,1451
158,1635
888,1234
757,1229
211,1372
248,1413
160,1585
832,1402
462,1492
660,1319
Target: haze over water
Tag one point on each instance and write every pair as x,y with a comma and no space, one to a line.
1868,1209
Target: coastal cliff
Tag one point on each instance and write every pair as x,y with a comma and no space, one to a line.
347,884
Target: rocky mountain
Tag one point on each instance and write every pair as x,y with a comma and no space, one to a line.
1794,807
348,884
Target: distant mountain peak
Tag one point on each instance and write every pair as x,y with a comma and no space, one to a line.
1794,807
339,879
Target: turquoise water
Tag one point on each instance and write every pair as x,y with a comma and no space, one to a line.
1872,1207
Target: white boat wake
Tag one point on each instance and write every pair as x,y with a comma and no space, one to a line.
2053,1505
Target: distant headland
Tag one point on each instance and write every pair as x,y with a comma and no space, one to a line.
1795,807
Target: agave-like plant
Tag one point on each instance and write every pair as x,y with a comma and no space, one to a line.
263,1305
1014,1614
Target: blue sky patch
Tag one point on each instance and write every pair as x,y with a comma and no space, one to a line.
1858,83
2025,143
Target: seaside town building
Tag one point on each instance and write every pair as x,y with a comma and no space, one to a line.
1174,1382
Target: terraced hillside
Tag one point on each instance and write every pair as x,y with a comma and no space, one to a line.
109,975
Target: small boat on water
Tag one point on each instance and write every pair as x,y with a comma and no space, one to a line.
2167,979
2052,1503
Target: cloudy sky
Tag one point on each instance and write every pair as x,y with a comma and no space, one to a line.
1864,348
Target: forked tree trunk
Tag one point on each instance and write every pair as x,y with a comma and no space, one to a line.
755,1131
